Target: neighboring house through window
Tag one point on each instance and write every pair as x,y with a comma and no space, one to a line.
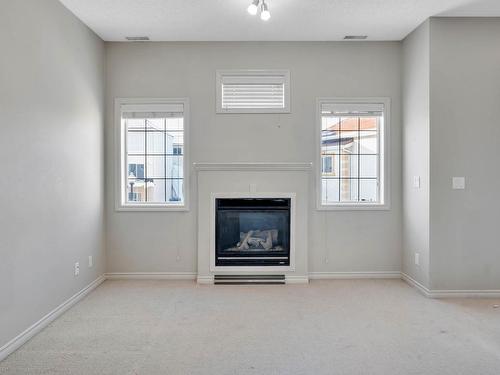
352,152
177,149
327,163
153,140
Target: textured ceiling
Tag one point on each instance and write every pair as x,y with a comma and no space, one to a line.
294,20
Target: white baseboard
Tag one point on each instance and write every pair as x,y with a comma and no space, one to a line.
31,331
205,280
414,283
296,279
150,276
450,293
355,275
488,293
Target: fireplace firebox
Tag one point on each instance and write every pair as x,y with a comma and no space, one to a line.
252,231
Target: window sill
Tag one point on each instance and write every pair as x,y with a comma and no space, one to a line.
353,207
151,208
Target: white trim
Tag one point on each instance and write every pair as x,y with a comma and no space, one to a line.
253,166
353,207
385,173
292,279
152,207
291,267
206,280
119,156
450,293
221,73
354,275
414,283
150,276
488,293
35,328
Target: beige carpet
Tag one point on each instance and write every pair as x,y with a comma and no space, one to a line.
327,327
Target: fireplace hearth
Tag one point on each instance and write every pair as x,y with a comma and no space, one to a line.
252,231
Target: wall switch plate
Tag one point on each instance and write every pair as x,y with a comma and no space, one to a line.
416,182
253,188
91,261
77,269
417,259
458,183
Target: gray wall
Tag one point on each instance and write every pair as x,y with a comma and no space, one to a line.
51,152
465,134
339,241
416,132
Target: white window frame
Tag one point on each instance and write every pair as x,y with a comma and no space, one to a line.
121,203
384,161
252,73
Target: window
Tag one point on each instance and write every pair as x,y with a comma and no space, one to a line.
177,149
327,163
253,91
153,165
351,153
136,171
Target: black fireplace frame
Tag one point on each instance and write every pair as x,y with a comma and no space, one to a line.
241,258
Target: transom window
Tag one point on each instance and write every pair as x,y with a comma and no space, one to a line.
351,152
152,153
253,91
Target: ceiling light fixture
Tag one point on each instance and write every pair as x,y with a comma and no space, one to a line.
264,12
253,9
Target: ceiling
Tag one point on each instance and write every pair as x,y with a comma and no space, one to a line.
291,20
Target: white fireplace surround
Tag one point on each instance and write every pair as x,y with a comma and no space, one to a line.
253,180
254,269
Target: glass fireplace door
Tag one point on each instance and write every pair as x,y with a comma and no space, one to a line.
253,232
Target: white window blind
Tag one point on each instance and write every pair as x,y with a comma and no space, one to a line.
252,91
138,111
354,109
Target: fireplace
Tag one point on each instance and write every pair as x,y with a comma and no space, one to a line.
252,232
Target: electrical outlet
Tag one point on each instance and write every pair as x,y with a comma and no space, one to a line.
91,261
327,260
77,269
178,258
417,259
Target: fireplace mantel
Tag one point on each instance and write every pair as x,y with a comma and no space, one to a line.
253,179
